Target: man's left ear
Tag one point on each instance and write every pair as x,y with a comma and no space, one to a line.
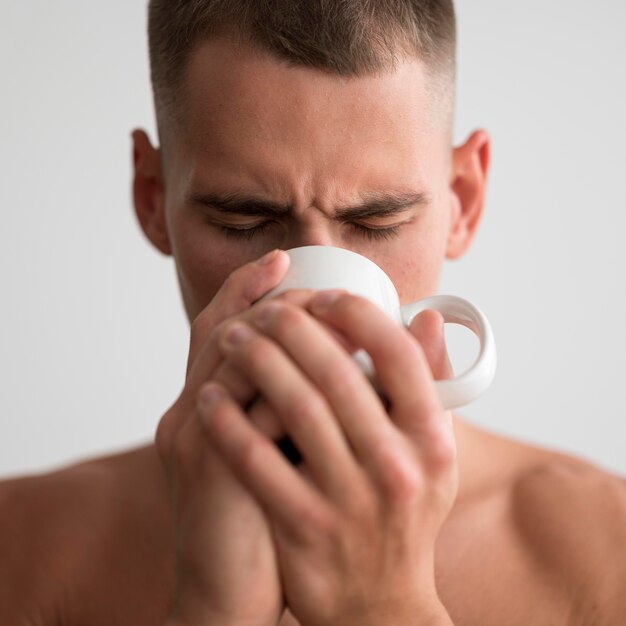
468,182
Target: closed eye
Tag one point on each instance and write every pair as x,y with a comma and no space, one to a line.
370,232
246,231
375,232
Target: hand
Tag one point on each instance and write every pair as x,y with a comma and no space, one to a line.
226,566
355,526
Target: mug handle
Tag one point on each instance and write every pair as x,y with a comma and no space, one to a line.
476,380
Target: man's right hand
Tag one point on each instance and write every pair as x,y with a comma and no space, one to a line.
227,571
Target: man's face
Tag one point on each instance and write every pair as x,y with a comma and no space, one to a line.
279,156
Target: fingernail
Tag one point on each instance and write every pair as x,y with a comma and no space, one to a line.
323,300
237,334
266,259
267,311
208,397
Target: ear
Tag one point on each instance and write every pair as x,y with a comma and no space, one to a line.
149,192
468,182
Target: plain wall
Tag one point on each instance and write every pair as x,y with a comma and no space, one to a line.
93,339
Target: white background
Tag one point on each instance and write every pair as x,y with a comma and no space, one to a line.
93,338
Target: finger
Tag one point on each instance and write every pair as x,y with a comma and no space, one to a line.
239,291
206,359
401,367
202,480
301,298
299,405
242,288
235,382
246,395
428,328
352,399
209,357
209,360
402,372
256,462
264,419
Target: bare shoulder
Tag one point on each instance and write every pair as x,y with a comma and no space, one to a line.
41,517
547,530
62,533
571,515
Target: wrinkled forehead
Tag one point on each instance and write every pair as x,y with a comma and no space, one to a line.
243,105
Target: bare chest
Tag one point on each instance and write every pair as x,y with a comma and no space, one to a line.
486,574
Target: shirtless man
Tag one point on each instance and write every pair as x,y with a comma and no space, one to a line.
282,128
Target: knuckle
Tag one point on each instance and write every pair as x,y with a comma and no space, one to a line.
402,481
250,455
351,305
297,297
305,409
405,484
290,317
441,453
314,522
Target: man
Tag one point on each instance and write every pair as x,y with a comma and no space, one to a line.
285,124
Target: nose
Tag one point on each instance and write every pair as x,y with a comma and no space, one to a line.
320,235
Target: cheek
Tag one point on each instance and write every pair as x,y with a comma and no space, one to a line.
200,276
415,267
203,262
415,277
202,271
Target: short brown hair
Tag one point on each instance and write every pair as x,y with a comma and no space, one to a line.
346,37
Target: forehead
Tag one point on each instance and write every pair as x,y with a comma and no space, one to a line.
246,111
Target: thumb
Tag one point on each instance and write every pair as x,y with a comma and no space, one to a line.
239,291
427,328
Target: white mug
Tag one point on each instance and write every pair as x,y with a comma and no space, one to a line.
326,267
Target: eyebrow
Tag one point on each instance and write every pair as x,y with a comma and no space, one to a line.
374,205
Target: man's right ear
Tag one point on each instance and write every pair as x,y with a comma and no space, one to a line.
149,192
